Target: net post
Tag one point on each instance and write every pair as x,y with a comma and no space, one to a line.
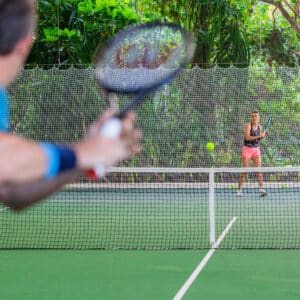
212,229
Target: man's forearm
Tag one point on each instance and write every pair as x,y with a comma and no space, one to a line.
19,196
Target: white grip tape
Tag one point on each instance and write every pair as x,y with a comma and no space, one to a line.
110,129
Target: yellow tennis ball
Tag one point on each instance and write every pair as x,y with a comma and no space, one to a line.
210,146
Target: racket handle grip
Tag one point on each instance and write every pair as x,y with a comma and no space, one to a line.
110,129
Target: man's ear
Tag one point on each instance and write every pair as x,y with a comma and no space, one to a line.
24,45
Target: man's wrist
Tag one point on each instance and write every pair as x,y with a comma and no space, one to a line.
60,158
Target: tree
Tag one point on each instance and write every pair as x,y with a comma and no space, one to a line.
217,26
279,37
70,31
290,10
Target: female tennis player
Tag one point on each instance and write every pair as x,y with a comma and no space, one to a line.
253,134
30,171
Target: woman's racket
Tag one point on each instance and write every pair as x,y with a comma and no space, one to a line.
139,60
268,123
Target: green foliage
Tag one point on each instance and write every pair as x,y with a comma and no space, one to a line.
271,38
284,51
227,32
217,27
69,32
199,106
58,107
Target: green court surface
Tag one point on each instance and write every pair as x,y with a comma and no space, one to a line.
38,259
97,274
159,219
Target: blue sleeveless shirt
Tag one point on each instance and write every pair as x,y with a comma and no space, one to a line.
4,110
254,143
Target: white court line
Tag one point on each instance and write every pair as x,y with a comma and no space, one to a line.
202,264
4,208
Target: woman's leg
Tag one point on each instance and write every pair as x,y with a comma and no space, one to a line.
257,163
245,164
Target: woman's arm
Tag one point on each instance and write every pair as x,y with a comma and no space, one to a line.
248,137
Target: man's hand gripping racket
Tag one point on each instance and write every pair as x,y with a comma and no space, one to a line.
138,61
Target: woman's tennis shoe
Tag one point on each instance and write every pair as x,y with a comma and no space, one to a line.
239,193
262,193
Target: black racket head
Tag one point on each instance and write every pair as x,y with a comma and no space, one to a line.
143,57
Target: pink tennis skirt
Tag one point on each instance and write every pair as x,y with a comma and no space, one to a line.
250,152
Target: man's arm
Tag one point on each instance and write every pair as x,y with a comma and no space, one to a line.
21,195
23,160
20,159
23,163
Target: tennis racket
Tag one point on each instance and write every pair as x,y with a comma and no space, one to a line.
139,60
268,123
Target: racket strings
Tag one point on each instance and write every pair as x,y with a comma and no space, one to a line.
148,56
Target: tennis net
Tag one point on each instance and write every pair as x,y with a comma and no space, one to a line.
163,208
